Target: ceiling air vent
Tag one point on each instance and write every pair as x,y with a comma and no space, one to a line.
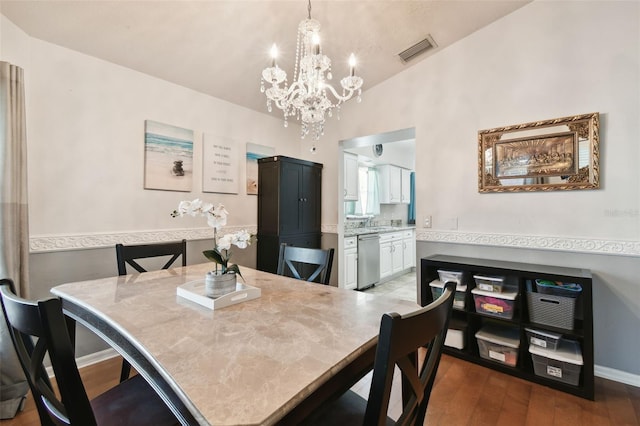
418,48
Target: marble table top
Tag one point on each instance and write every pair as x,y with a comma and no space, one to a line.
249,363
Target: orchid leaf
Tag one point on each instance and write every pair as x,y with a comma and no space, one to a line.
214,256
235,269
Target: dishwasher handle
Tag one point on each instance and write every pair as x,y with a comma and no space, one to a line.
369,237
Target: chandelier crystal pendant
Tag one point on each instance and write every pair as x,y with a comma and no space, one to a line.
307,98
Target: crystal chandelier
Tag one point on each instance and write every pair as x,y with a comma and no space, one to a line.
307,98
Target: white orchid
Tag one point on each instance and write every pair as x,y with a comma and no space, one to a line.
224,242
216,218
242,239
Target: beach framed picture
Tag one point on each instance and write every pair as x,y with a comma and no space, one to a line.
168,157
254,152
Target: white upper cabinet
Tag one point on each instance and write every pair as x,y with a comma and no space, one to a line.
405,184
390,181
350,177
394,184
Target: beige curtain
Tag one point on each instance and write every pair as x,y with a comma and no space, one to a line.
14,238
14,234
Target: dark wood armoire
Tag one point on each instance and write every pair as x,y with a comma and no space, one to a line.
289,207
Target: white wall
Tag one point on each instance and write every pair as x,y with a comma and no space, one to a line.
545,60
85,128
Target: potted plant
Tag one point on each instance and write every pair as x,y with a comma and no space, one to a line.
222,280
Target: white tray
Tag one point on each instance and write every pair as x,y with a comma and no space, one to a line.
194,291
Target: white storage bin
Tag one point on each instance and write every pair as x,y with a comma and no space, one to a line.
499,344
437,287
543,338
563,365
454,339
492,284
501,305
454,276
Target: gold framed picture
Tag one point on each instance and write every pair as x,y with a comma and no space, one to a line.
555,154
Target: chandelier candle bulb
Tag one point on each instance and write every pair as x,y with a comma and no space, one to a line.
274,54
352,65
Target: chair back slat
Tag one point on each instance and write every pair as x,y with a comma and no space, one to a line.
305,263
398,343
130,253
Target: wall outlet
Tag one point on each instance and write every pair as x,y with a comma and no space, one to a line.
427,221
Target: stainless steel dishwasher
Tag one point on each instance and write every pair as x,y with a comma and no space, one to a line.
368,260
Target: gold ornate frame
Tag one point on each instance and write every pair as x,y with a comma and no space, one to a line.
549,155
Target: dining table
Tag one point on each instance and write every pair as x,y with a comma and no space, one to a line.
273,359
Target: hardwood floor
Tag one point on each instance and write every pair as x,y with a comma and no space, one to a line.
464,394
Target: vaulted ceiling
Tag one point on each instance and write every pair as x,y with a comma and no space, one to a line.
220,47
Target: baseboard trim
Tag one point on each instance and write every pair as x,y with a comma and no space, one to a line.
599,371
617,375
94,358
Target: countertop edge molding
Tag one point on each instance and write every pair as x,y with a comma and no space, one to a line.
538,242
62,242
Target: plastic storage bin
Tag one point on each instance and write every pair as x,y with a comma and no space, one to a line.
486,283
564,364
558,288
547,309
454,276
543,338
501,305
499,344
454,339
437,287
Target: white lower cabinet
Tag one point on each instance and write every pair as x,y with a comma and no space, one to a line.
350,263
385,259
396,256
408,249
391,261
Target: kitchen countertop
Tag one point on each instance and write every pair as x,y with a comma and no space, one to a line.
353,232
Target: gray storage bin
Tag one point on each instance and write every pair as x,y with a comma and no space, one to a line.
563,365
547,309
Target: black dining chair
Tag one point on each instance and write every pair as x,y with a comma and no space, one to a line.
129,254
306,264
38,329
401,336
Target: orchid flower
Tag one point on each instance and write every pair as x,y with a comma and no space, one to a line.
216,219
